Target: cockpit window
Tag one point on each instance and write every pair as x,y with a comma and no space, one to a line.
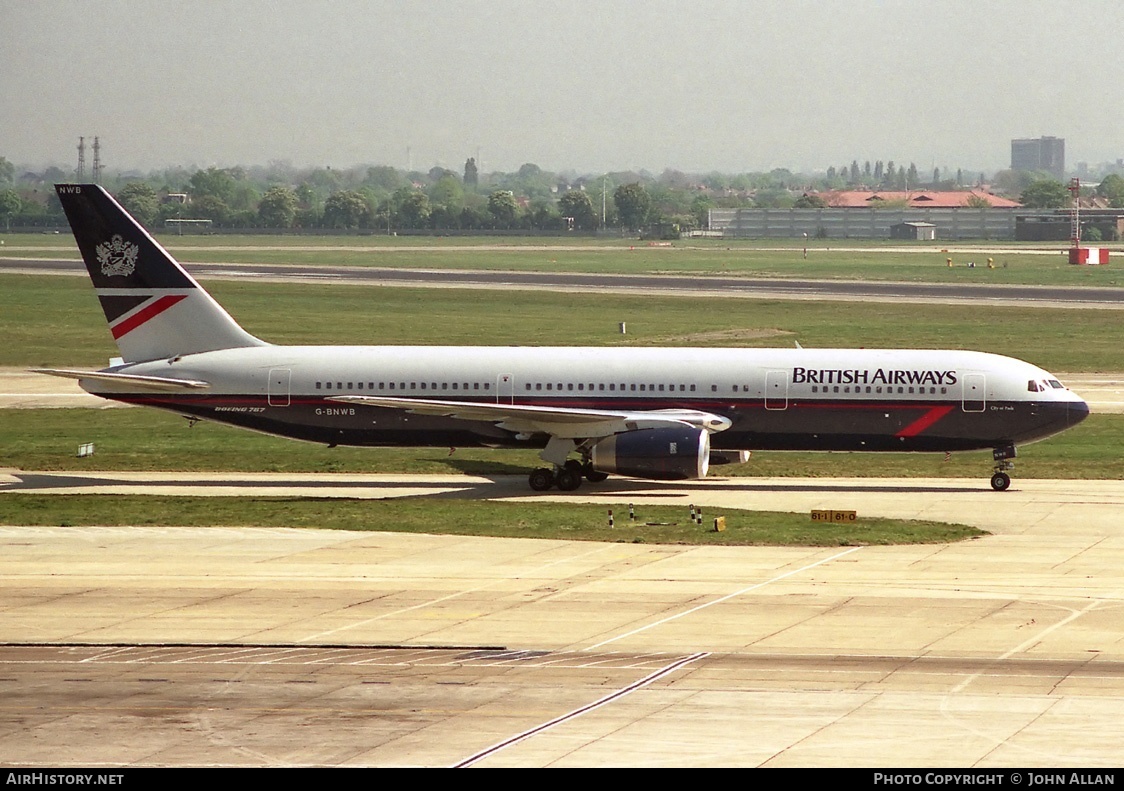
1054,383
1034,387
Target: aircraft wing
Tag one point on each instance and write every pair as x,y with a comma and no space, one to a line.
562,422
133,380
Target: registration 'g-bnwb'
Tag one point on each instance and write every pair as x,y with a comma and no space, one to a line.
661,414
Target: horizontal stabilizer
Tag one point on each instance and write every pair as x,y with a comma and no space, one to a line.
134,380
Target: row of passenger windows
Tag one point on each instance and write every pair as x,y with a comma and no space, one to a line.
612,386
876,389
402,386
600,387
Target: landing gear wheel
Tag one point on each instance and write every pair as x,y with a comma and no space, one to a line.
1000,482
541,479
568,479
592,475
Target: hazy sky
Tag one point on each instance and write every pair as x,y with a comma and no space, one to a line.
576,85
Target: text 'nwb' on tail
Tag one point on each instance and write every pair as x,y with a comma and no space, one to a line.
155,309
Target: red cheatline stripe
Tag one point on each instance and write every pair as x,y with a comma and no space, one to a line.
923,422
141,316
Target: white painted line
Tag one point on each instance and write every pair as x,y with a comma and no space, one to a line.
620,693
441,599
722,599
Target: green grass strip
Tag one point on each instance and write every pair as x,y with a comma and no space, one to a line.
559,521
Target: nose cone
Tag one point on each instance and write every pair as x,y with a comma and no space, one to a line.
1077,411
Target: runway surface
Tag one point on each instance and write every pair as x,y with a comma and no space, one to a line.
158,646
695,285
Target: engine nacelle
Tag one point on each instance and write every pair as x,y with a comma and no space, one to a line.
660,454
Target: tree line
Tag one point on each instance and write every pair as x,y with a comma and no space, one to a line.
383,198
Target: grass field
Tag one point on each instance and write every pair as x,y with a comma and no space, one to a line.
834,259
53,321
145,439
569,521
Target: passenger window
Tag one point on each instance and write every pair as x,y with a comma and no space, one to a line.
317,385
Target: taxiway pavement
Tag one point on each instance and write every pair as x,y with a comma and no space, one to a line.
261,646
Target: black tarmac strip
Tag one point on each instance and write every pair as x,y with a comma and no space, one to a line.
780,288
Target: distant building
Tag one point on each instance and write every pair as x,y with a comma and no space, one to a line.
923,231
1043,153
917,199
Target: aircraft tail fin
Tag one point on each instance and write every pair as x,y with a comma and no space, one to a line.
155,309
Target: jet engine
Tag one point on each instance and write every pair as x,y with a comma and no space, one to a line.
660,454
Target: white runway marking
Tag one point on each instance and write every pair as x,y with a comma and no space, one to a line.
620,693
439,600
723,598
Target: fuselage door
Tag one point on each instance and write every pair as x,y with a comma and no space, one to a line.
776,390
975,393
505,389
279,386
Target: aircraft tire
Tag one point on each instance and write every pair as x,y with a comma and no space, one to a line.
568,479
541,479
1000,482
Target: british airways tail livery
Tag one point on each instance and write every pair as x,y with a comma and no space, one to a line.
661,414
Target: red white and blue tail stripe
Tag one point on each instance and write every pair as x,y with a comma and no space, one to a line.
155,309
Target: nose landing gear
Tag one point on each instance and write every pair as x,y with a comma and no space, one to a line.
1000,480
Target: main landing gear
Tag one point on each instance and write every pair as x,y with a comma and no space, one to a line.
567,478
1000,480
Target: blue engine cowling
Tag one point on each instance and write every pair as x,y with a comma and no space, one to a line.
659,454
